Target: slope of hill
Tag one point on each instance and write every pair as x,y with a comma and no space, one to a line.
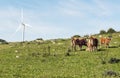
49,59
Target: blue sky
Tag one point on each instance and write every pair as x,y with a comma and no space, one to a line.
50,19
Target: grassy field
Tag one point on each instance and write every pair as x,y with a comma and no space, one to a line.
50,60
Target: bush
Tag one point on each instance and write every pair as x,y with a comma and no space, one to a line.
39,39
111,30
76,36
102,32
3,41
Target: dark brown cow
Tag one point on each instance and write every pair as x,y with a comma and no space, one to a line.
105,41
79,42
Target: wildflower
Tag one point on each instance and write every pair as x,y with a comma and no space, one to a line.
17,56
16,51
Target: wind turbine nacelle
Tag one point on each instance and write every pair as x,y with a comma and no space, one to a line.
26,25
23,24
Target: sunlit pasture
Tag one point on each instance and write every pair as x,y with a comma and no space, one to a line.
56,60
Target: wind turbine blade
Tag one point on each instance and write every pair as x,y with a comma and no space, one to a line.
28,25
18,28
21,15
16,31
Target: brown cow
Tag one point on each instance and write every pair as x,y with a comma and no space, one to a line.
105,41
78,41
92,44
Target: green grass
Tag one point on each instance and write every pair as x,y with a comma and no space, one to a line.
36,61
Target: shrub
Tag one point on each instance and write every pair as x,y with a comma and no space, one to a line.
111,30
3,41
76,36
102,32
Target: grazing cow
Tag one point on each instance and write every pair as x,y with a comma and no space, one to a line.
77,41
105,41
92,44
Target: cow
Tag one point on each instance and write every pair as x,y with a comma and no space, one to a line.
92,44
105,41
78,41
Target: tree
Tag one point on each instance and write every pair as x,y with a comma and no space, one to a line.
111,30
86,36
102,32
39,39
76,36
3,41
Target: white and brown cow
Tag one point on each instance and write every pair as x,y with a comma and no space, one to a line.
92,44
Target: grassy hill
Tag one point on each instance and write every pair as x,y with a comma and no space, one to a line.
49,59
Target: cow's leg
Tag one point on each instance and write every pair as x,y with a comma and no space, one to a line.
80,47
107,45
91,48
100,45
75,47
94,48
88,49
72,47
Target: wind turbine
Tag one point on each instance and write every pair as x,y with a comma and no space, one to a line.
23,25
